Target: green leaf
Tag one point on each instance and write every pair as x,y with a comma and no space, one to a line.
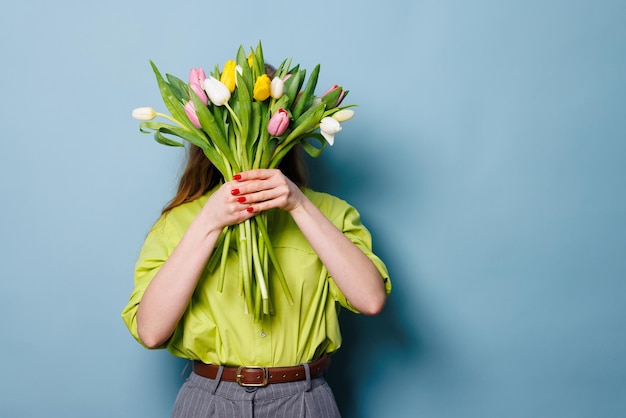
254,127
330,112
178,87
331,98
283,68
293,84
311,149
260,60
244,105
170,100
215,130
304,102
308,121
246,71
198,139
162,139
282,103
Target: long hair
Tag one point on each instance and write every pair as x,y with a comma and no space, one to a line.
200,176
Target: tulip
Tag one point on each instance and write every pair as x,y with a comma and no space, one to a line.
190,110
328,128
277,87
217,91
228,75
144,113
278,123
332,88
343,115
262,88
196,78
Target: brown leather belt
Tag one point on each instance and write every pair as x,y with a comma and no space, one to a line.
262,376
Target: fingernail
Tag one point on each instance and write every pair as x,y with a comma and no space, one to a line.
237,177
234,192
241,199
250,209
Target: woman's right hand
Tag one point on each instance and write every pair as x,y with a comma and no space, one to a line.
225,207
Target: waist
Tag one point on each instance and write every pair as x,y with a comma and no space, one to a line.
262,376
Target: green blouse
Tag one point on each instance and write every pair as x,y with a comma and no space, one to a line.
215,327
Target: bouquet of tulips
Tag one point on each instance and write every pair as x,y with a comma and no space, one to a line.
244,120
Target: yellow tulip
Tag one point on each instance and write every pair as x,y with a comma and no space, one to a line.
228,75
250,60
262,88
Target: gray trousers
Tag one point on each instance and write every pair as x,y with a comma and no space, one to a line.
201,397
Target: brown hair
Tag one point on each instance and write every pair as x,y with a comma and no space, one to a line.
200,175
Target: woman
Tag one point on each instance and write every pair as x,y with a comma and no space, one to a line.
273,367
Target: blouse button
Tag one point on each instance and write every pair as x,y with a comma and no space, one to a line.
263,334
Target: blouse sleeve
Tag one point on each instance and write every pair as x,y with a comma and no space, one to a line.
354,229
155,251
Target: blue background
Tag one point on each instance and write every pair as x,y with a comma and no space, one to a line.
487,157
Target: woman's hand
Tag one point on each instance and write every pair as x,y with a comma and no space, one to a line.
167,296
250,193
354,273
263,189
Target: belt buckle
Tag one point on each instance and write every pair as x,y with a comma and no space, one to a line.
262,383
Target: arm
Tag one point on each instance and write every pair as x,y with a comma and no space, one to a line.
168,294
354,273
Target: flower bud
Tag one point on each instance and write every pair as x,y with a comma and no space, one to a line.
262,88
144,113
190,110
217,91
278,123
340,97
277,87
328,128
343,115
196,78
228,75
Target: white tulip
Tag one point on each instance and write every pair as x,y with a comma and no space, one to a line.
217,91
144,113
277,87
343,115
328,128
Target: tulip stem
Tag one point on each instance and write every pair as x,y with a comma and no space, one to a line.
163,115
238,123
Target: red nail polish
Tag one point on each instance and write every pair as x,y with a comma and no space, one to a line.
241,199
237,177
250,209
234,192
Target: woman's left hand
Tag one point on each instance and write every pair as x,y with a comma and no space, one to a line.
354,273
264,189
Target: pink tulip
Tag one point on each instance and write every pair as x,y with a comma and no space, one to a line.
196,80
190,110
332,88
278,123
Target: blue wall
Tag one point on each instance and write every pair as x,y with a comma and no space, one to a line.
487,157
